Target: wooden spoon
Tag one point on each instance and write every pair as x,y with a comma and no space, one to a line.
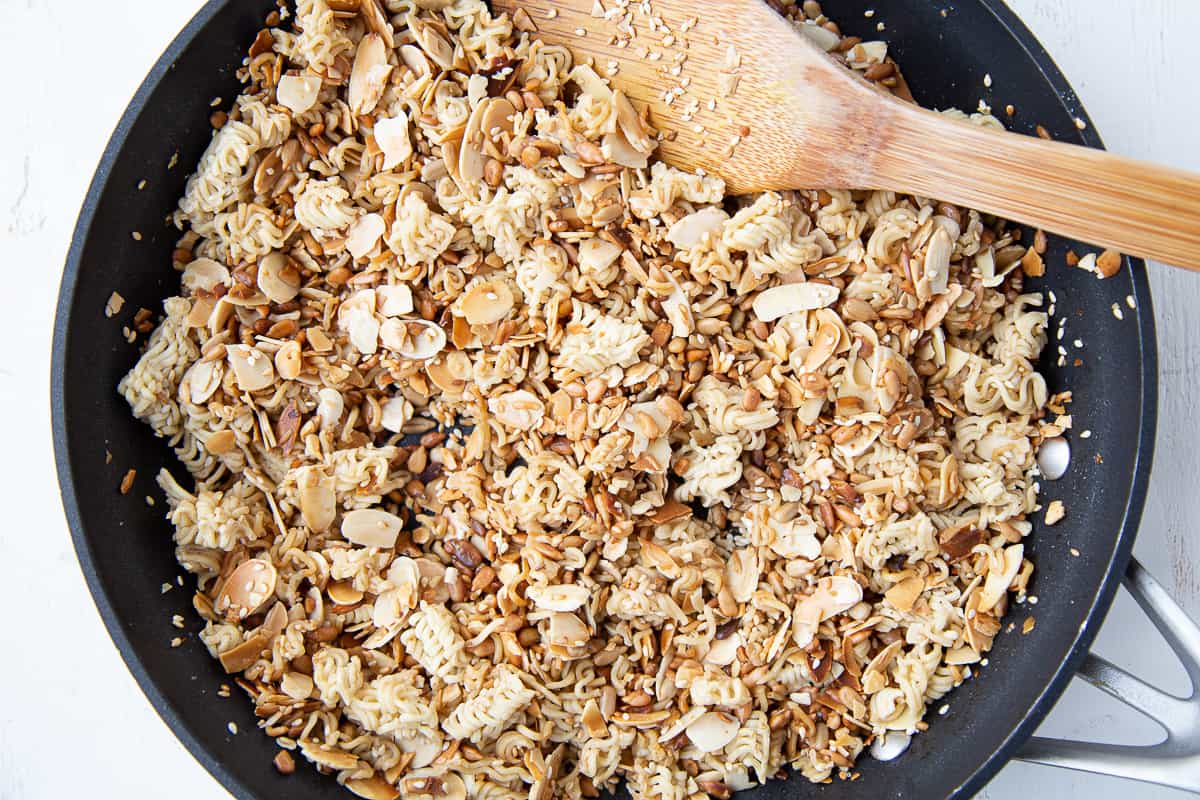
777,112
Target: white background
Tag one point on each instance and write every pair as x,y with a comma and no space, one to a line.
71,718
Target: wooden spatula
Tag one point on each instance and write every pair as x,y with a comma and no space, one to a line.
749,98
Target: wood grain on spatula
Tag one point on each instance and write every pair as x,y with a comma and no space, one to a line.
747,97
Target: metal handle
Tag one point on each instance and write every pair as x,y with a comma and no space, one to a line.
1175,761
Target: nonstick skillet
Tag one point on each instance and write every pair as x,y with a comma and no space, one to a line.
946,49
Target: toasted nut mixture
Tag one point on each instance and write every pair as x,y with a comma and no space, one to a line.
523,465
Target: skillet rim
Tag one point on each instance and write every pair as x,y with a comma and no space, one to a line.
234,783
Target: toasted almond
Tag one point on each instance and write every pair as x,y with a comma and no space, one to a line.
789,298
369,75
695,228
597,255
936,272
617,149
371,527
392,137
377,21
251,366
327,756
723,652
561,597
202,380
243,655
821,36
742,572
631,124
567,630
1032,264
435,45
423,343
1108,263
396,413
318,502
205,274
519,409
375,787
838,594
246,589
905,593
394,300
451,373
797,538
712,731
296,685
487,302
221,442
343,593
363,234
277,278
330,406
593,721
298,92
288,361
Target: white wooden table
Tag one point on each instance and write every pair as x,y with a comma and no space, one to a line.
72,719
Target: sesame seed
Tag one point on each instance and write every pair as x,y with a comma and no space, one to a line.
1085,435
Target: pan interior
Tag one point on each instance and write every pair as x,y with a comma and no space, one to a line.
125,546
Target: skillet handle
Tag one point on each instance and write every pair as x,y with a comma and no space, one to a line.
1173,762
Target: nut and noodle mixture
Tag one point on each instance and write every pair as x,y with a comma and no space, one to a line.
525,464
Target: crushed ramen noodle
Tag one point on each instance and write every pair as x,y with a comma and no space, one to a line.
523,465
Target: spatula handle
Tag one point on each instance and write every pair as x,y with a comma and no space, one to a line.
1137,208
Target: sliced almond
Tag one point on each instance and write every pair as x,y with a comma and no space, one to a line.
597,255
998,580
742,572
396,413
789,298
318,502
451,373
519,409
371,527
363,234
343,593
275,620
487,302
330,406
562,597
296,685
567,630
327,756
392,137
394,300
821,36
905,593
413,339
712,731
369,76
593,721
617,149
202,380
435,45
377,21
238,658
246,589
277,278
838,594
205,274
723,652
288,361
415,59
251,366
797,539
586,79
375,787
936,272
631,124
689,231
298,92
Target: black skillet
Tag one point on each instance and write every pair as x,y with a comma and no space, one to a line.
125,549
